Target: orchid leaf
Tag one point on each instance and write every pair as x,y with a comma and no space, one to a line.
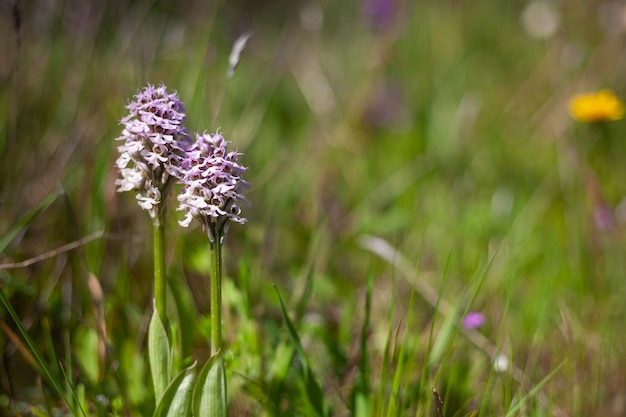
209,396
158,355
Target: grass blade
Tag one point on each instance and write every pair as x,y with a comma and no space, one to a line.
312,386
361,390
534,391
23,222
444,339
44,369
78,397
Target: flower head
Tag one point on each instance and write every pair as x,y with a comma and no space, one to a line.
212,184
378,13
501,363
603,217
154,140
473,320
596,107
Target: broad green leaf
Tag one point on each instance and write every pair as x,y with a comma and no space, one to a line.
159,355
86,349
362,407
209,394
176,400
133,373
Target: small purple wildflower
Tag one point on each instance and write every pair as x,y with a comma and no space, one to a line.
154,141
212,185
473,320
603,217
378,13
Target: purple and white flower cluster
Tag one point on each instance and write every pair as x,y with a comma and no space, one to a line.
154,142
212,183
157,150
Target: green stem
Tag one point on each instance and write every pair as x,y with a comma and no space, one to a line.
159,267
216,295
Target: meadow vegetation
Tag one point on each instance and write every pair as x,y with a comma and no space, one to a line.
410,163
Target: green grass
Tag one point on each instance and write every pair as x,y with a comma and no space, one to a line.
445,138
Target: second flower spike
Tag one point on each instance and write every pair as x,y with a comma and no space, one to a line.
213,184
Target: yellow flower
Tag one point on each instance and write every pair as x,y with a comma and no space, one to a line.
596,107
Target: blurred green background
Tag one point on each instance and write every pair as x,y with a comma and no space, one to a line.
438,126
